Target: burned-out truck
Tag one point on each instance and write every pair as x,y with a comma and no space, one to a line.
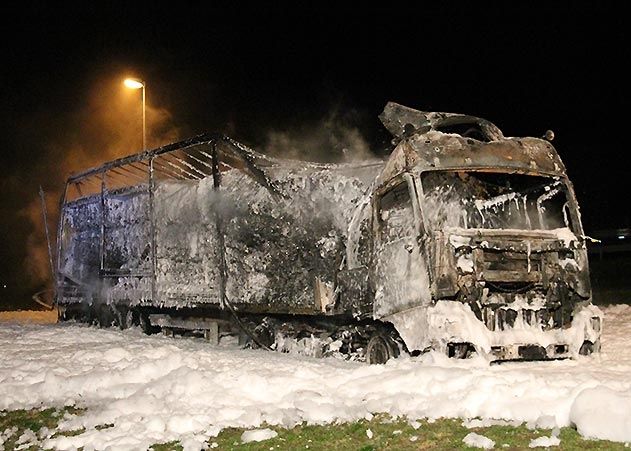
462,241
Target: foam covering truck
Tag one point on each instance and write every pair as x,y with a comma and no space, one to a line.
462,241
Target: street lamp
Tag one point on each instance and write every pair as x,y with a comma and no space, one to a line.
134,83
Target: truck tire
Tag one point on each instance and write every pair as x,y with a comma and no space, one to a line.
103,316
263,336
145,324
380,349
125,317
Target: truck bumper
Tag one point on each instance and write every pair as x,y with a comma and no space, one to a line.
444,324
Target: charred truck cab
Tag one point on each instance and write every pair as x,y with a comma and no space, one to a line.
462,241
478,244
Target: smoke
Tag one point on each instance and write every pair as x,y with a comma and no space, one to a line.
109,126
334,138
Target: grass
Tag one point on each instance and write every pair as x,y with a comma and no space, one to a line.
387,434
398,434
34,420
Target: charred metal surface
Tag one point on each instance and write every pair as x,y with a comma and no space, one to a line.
276,248
486,147
354,292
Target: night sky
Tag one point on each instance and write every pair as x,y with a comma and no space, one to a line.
257,73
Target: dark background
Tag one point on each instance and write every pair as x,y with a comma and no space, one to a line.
264,72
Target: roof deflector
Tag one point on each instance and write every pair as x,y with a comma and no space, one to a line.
401,120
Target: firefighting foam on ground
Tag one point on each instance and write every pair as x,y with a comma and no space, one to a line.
154,389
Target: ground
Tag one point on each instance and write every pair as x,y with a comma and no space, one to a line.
133,391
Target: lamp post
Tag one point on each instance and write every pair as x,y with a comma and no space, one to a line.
134,83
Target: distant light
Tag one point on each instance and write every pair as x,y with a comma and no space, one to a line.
4,286
133,83
621,237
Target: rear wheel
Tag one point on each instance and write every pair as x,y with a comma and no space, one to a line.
380,349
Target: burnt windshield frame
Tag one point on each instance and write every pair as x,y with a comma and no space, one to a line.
500,190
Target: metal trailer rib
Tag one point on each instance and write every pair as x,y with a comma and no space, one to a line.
162,169
190,166
130,173
206,138
134,172
116,175
193,157
169,160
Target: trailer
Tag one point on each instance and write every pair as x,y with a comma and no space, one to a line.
462,241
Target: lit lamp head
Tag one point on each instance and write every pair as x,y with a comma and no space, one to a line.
134,83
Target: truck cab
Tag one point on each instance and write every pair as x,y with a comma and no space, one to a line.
477,243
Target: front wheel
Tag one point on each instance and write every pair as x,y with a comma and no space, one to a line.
380,349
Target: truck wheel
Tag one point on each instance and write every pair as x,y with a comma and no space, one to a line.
587,348
264,335
145,324
125,317
103,316
380,349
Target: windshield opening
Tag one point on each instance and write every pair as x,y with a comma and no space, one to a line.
492,200
465,129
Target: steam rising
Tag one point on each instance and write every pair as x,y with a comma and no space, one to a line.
331,139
